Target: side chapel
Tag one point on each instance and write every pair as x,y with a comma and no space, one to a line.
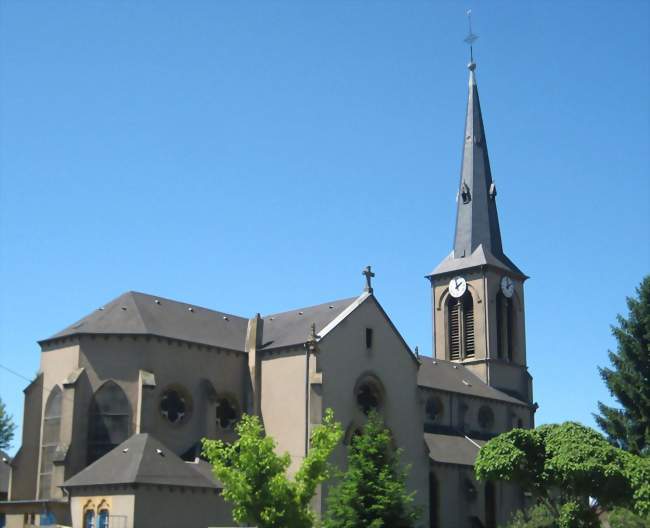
113,421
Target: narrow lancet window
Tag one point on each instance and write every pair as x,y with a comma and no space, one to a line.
109,420
51,432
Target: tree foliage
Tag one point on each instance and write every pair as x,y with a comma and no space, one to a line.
372,492
255,480
7,427
629,378
564,465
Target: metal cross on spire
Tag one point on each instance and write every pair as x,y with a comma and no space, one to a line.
369,275
471,37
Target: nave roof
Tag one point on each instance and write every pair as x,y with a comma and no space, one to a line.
448,376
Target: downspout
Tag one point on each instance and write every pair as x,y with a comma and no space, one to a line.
310,346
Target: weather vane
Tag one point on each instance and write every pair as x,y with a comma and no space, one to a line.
471,37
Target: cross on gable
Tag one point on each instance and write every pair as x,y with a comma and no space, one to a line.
369,274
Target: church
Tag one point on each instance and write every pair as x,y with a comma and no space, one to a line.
113,421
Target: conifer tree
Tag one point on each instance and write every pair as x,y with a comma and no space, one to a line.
372,492
7,427
629,378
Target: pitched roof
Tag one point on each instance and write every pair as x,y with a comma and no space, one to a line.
455,377
448,449
139,313
5,460
141,459
293,327
477,237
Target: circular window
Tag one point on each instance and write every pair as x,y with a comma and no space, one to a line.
433,409
175,405
226,413
485,417
368,397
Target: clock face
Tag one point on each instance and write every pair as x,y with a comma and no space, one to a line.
457,286
507,286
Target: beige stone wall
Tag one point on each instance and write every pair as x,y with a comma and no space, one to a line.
476,286
121,506
166,507
174,365
24,468
457,504
283,402
56,365
344,360
484,285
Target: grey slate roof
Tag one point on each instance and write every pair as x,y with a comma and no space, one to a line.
139,313
141,459
454,377
293,327
4,472
448,449
477,221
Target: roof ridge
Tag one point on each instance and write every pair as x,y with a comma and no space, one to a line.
167,299
347,299
138,310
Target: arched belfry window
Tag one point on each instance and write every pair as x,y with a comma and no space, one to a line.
51,432
505,327
460,327
109,420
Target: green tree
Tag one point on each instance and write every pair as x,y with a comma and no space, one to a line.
7,427
372,492
537,516
622,518
255,480
629,378
564,465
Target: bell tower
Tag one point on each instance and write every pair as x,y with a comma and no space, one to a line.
478,292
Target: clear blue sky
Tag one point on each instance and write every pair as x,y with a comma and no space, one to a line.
254,156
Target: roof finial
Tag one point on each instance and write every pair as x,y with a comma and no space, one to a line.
470,39
369,275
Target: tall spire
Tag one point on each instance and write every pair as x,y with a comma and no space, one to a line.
477,222
477,238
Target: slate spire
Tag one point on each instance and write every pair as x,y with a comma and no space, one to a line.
477,221
477,237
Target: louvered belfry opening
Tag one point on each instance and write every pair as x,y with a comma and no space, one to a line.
453,312
505,327
460,327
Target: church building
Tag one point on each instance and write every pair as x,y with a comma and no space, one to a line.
113,421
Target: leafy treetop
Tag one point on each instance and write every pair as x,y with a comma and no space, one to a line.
563,465
255,480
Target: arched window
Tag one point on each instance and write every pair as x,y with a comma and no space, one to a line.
89,519
460,326
485,418
102,520
505,327
51,431
109,420
434,500
226,413
369,394
433,410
